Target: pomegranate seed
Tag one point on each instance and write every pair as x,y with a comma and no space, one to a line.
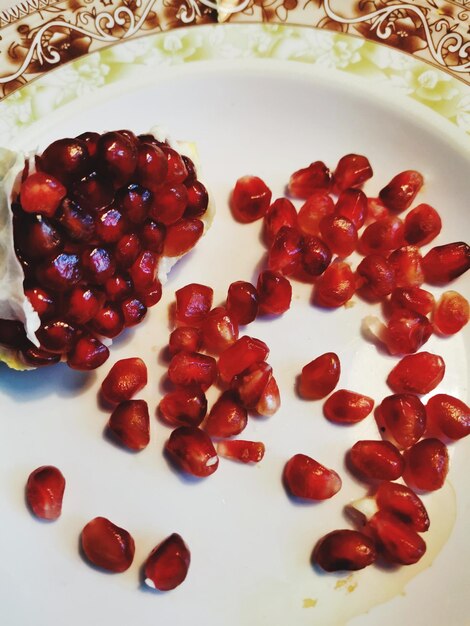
192,450
250,199
407,265
444,263
274,293
60,273
91,141
281,213
130,136
198,199
242,302
127,250
183,407
352,204
449,415
347,407
417,373
451,314
57,336
398,542
239,450
317,206
45,491
41,193
413,299
143,270
218,330
376,210
335,286
130,424
250,384
376,277
427,464
404,417
182,236
152,236
37,357
107,546
404,503
177,171
83,304
320,376
117,155
169,204
422,225
305,181
352,171
382,236
167,565
117,288
42,302
37,238
78,224
192,368
152,166
339,233
135,202
285,253
401,190
66,159
376,460
87,354
227,416
270,399
98,265
151,294
306,478
133,311
190,168
240,355
407,331
185,338
110,225
93,192
348,550
108,322
193,303
125,378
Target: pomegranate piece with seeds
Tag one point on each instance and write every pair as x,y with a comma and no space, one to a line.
404,503
398,541
219,330
42,194
107,546
427,464
451,313
250,199
422,225
285,253
192,368
281,213
227,416
185,338
449,415
250,384
401,191
240,450
126,378
167,565
192,451
346,549
404,418
347,407
376,277
45,491
317,206
406,331
417,373
240,355
376,460
336,286
304,182
193,303
444,263
320,376
274,293
352,171
306,478
413,299
242,302
183,407
130,424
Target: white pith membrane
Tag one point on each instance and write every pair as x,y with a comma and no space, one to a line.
14,305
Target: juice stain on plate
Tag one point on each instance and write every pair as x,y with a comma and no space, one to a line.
309,603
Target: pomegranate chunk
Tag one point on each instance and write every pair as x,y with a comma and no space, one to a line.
274,293
305,181
126,378
239,450
376,460
352,171
398,541
130,424
185,338
401,190
404,503
219,330
306,478
193,303
227,416
45,491
347,407
422,225
240,355
320,376
192,368
404,417
281,213
242,302
42,194
335,286
348,550
444,263
183,407
107,546
192,450
427,464
250,199
449,415
167,565
451,314
417,373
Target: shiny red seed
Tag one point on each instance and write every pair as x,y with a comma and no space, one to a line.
77,223
183,407
406,331
422,225
192,368
347,407
242,302
127,250
413,299
41,193
152,166
451,314
320,376
152,236
98,265
91,141
143,270
219,330
316,256
177,171
241,450
274,293
44,492
31,355
348,550
250,384
449,415
83,304
335,286
306,478
427,465
352,203
185,338
66,159
376,460
382,236
376,277
270,399
285,253
376,210
407,265
339,233
227,416
61,273
117,288
37,238
107,546
129,424
169,203
317,206
250,199
93,192
444,263
397,541
117,157
404,503
352,171
198,199
125,378
42,302
305,181
182,236
167,565
400,192
135,202
108,321
404,418
192,451
133,311
151,294
57,336
417,373
239,356
110,225
281,213
193,303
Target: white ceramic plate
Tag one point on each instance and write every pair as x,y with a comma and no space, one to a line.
250,544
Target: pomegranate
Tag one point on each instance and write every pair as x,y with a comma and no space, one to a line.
397,540
376,460
336,286
401,190
347,407
239,450
344,550
404,503
126,378
183,407
242,302
444,263
250,199
352,171
422,225
192,368
227,417
281,213
304,182
376,277
404,418
192,451
219,330
449,415
107,546
320,376
451,313
306,478
427,464
185,338
167,565
274,293
417,373
129,424
45,491
193,303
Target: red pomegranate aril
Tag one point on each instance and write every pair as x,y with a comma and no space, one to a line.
427,465
382,236
242,302
98,265
449,415
398,541
339,233
183,407
37,238
336,286
117,288
41,193
422,225
451,314
152,235
404,503
108,321
219,330
444,263
352,203
45,491
285,253
190,168
143,270
66,159
110,225
270,399
250,384
227,416
240,450
241,355
129,424
185,338
128,134
376,277
182,236
125,378
305,181
413,299
320,376
192,368
36,357
347,407
352,171
192,450
42,302
127,250
317,206
167,565
274,293
83,304
151,294
117,157
169,204
348,550
87,354
250,199
306,478
417,373
133,310
61,273
404,418
376,210
198,199
407,331
177,172
57,336
407,265
152,166
107,546
281,213
193,303
91,141
135,202
401,190
78,224
376,460
316,256
93,192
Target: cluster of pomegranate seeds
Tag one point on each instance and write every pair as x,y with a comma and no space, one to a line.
90,226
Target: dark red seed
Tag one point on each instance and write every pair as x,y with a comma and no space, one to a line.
177,172
227,416
285,253
183,407
320,376
130,424
44,492
305,181
242,302
169,203
125,378
93,192
427,465
42,302
152,166
192,450
219,330
281,213
444,263
61,273
401,190
57,336
404,503
352,203
376,460
98,265
316,256
66,159
422,225
182,236
117,288
193,303
198,199
398,541
352,171
382,236
110,225
133,310
250,199
37,238
143,270
83,304
77,223
87,354
348,550
274,293
185,338
376,277
117,157
449,415
127,249
108,321
167,565
107,546
306,478
404,418
135,202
